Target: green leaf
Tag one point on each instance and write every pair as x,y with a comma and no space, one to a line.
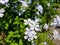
6,26
21,19
16,35
11,33
16,22
16,18
43,20
13,43
9,36
10,21
20,42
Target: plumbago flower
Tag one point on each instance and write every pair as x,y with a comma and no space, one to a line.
39,8
56,21
56,34
27,21
34,26
1,12
37,13
30,34
33,43
46,27
45,43
24,5
48,4
3,2
27,2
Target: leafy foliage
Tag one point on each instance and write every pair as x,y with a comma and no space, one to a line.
13,25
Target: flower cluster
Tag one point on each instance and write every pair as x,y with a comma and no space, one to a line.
56,34
3,2
56,24
1,12
24,5
39,8
30,34
56,21
34,26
